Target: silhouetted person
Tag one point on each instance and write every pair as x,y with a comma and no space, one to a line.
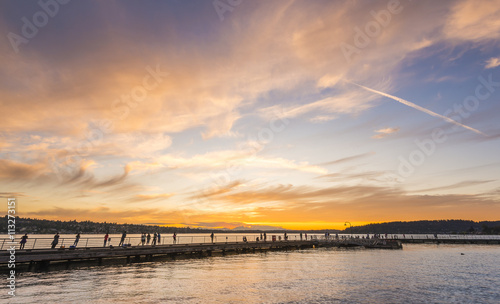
301,236
106,239
174,236
154,239
77,238
159,238
55,241
23,241
148,239
143,238
122,240
212,237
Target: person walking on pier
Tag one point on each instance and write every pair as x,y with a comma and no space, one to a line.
159,238
77,238
143,238
55,241
106,239
148,239
122,240
23,241
212,237
174,236
265,236
301,236
154,239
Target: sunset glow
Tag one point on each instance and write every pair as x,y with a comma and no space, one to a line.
262,114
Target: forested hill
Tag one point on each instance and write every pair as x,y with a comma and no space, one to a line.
41,226
430,227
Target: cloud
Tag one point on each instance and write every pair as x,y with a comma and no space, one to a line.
288,203
322,118
11,194
493,62
216,190
13,170
135,145
224,159
208,83
151,197
122,215
85,179
283,204
346,102
328,81
472,20
214,78
347,159
457,185
385,132
378,176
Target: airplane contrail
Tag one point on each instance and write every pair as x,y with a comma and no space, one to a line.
411,104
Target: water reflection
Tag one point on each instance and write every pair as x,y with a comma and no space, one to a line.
419,273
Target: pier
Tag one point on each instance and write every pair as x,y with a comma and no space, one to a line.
38,259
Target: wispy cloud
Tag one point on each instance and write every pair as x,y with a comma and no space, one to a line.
456,185
385,132
378,176
344,102
85,179
217,190
493,62
14,170
473,20
347,159
11,194
221,159
151,197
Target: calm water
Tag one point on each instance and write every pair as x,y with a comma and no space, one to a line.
417,274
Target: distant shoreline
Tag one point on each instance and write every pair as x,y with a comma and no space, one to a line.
42,226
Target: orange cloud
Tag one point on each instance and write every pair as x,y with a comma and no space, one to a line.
472,20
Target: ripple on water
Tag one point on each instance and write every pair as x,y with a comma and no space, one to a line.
417,274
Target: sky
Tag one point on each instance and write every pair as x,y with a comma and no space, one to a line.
230,113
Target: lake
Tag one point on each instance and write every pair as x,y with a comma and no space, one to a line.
420,273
